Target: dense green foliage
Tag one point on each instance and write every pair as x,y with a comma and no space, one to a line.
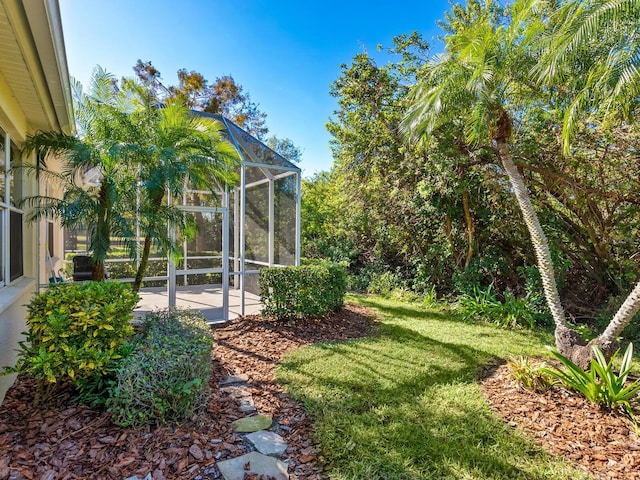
600,384
439,213
166,377
76,332
406,404
290,292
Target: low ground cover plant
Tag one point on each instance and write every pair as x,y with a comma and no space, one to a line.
298,291
600,384
76,333
510,312
530,374
166,377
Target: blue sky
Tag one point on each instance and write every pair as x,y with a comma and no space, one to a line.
285,54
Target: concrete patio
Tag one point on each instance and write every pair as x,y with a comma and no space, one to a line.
206,298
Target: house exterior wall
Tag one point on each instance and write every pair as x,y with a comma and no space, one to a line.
34,95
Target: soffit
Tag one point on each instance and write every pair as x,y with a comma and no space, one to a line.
29,67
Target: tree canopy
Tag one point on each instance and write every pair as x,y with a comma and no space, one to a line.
524,98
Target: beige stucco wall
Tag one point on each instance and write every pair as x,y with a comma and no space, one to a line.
34,95
12,323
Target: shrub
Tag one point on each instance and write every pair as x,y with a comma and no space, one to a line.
512,312
385,282
76,332
600,384
166,378
531,375
289,292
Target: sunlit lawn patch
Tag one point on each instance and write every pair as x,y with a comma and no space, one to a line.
405,404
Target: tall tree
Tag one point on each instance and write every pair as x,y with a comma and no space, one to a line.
484,81
224,96
286,148
607,87
481,82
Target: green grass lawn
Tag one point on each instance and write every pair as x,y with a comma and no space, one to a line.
406,404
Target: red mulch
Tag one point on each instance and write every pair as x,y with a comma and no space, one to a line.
70,441
65,440
600,442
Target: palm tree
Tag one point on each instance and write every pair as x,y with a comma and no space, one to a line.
482,83
177,149
606,87
479,83
97,152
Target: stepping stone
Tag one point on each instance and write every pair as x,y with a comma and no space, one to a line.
253,463
231,379
252,424
247,405
236,391
268,443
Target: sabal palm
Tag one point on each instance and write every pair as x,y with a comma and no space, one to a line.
479,84
177,149
102,122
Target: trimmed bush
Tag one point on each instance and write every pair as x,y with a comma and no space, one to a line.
308,290
76,332
166,378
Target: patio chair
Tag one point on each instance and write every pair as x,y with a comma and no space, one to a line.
82,269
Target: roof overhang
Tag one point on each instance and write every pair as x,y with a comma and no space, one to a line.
34,78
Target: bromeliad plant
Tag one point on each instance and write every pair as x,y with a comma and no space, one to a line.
600,384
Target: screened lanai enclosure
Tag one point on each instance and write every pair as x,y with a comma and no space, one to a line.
240,231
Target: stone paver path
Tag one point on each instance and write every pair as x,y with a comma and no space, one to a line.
269,445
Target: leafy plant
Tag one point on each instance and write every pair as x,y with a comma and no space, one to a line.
600,384
385,282
531,375
76,333
484,304
289,292
166,378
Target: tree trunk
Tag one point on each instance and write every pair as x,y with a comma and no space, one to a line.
156,202
470,227
98,271
566,338
144,261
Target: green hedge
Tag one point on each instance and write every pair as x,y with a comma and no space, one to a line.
166,378
290,292
76,333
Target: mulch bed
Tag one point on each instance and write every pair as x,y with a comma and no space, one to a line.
600,442
65,440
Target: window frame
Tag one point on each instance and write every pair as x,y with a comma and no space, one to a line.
10,273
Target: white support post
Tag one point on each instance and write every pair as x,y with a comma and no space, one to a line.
171,266
272,222
225,255
298,213
236,237
243,185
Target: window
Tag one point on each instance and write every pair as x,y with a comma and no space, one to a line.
11,216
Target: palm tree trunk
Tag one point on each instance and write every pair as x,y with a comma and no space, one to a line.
144,261
156,202
566,338
623,316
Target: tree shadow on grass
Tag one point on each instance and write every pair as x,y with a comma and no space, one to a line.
405,406
393,310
